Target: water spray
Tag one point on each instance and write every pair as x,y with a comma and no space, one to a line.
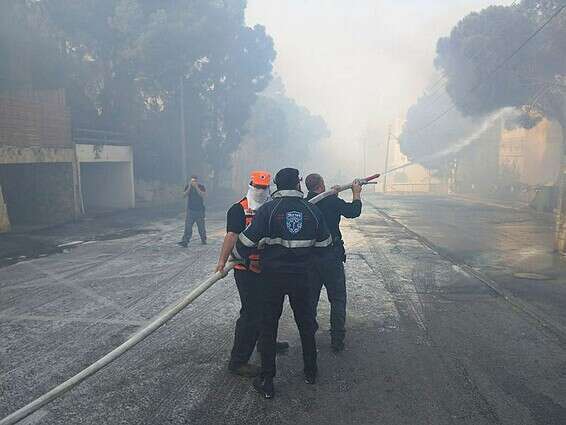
462,143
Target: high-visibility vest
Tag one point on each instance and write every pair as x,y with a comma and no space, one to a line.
250,214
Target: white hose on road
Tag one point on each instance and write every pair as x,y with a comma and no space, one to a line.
138,337
142,334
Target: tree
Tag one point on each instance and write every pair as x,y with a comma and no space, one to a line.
533,80
122,62
420,141
474,49
279,132
530,81
29,52
237,74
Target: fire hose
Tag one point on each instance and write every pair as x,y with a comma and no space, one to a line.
163,317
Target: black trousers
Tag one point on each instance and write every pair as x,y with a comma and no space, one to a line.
297,288
251,289
329,271
191,218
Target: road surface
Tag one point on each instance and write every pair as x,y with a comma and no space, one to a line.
440,331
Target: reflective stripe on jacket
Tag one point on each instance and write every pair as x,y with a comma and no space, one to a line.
286,230
254,256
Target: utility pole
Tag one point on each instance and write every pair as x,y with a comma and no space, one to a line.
364,156
386,160
183,132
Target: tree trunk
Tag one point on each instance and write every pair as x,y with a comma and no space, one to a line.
560,212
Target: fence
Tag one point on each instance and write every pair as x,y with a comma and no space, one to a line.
417,188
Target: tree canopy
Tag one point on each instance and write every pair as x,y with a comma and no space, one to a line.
489,65
486,72
122,62
280,132
418,141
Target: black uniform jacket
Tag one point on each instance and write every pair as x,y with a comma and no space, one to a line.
333,209
286,229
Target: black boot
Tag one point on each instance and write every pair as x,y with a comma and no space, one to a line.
264,386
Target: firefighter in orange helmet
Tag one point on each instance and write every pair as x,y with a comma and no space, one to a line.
248,279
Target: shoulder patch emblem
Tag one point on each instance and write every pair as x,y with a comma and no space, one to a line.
294,221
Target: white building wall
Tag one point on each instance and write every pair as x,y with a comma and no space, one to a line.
106,176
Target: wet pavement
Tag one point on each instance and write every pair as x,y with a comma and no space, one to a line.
433,337
25,242
511,247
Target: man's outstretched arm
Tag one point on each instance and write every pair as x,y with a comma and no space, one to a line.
352,209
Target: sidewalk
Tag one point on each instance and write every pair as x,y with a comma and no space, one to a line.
500,203
40,242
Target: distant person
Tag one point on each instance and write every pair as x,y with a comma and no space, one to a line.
249,279
328,269
195,193
287,230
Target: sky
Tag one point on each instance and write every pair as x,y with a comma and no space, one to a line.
360,64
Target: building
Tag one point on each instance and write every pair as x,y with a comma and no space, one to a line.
38,168
47,176
532,156
106,170
48,173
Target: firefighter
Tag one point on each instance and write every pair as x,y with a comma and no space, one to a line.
328,270
286,230
248,279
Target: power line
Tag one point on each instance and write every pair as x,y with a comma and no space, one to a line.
444,79
533,35
497,67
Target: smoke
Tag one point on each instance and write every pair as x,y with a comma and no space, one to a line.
359,64
490,121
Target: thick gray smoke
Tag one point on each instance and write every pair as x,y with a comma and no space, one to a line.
489,122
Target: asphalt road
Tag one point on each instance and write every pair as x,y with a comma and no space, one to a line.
511,247
429,342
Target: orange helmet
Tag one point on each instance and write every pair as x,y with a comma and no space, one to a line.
260,178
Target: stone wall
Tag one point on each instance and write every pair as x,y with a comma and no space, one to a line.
159,193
